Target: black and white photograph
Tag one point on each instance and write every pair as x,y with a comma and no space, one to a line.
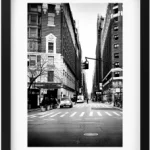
75,74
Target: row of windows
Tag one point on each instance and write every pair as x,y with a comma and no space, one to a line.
112,74
68,76
50,76
35,59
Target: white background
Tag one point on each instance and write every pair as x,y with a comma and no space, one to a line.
131,74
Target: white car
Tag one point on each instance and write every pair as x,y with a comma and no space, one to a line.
80,99
66,101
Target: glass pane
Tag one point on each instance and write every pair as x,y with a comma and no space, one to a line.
32,60
33,32
50,47
33,18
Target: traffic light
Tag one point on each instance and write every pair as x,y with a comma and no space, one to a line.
85,65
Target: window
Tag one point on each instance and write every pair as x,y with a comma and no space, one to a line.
50,47
116,11
116,64
32,60
116,74
33,19
33,32
50,75
116,45
116,28
32,46
116,55
116,37
116,19
50,43
51,60
51,8
33,7
51,19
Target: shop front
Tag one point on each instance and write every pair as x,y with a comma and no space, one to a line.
54,90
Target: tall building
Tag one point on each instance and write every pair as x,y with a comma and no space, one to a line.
97,80
111,49
54,51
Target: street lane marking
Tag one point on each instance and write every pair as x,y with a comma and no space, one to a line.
82,114
108,114
46,115
91,113
32,116
42,113
55,114
73,114
99,113
90,134
64,114
116,114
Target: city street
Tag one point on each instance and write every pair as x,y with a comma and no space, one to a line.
85,125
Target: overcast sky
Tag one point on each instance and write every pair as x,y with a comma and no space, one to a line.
85,15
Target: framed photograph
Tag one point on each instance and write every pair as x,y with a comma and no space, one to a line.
74,75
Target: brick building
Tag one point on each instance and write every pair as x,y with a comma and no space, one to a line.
53,43
112,52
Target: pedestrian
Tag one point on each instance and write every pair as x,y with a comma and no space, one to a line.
87,100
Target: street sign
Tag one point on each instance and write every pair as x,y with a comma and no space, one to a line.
117,90
98,93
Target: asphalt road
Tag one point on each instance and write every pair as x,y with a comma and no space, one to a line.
84,125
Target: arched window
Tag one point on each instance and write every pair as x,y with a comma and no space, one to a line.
50,43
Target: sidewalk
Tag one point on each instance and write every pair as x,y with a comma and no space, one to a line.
34,109
114,106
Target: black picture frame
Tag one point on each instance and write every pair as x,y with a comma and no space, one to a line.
144,76
6,75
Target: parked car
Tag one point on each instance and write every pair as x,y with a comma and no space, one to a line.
66,101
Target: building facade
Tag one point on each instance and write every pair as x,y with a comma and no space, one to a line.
53,50
112,49
97,80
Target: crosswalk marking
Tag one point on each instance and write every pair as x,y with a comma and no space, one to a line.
99,113
64,114
116,114
46,115
32,116
108,114
91,113
55,114
82,114
73,114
